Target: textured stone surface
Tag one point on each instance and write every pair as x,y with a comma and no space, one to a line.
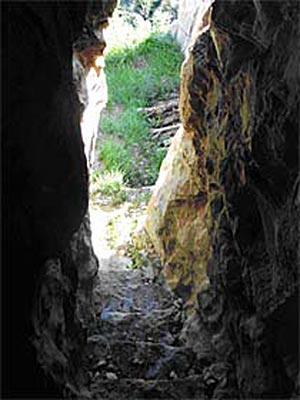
240,103
243,97
96,100
64,311
135,351
48,273
175,222
88,64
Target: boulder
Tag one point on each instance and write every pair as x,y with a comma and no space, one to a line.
175,222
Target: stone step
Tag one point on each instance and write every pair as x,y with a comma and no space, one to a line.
139,359
112,388
137,324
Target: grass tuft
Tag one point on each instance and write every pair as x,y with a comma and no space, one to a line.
109,184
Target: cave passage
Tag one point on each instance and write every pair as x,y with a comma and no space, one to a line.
139,318
126,147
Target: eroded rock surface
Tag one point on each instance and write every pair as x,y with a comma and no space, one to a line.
175,221
239,98
89,77
49,267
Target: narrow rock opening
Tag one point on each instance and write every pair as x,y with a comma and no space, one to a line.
128,145
223,217
135,341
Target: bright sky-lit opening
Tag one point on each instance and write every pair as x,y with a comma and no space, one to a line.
124,146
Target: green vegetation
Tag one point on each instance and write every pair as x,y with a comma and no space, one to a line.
112,232
110,185
137,77
134,20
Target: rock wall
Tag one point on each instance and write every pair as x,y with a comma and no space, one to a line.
240,108
88,70
192,19
175,223
175,220
48,262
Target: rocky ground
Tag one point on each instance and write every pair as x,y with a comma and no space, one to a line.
136,349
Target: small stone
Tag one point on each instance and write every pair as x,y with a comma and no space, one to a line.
173,375
101,363
210,381
111,376
96,339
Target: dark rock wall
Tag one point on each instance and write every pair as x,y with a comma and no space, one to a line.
49,266
244,99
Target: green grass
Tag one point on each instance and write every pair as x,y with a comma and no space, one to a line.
137,76
133,86
110,185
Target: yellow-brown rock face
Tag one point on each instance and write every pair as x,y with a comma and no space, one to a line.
227,201
175,222
179,215
175,218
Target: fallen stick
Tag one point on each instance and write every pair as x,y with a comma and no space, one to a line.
168,128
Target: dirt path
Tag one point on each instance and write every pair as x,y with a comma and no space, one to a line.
136,350
113,226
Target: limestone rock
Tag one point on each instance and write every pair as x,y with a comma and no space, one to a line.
174,221
89,76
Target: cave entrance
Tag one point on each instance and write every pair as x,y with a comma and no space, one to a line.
138,100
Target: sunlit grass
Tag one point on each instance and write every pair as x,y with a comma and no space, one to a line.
109,184
137,76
